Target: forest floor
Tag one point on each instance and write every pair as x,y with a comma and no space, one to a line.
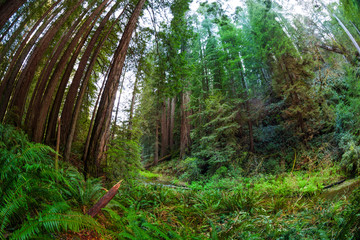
290,205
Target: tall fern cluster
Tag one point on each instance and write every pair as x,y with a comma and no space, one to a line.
34,198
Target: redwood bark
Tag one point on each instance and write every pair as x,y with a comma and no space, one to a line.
7,9
103,117
185,139
132,105
156,148
172,123
82,91
51,127
44,105
104,200
26,76
75,84
164,130
118,106
35,106
87,142
23,50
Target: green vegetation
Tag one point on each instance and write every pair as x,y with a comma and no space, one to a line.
216,121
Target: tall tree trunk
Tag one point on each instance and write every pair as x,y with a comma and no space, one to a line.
36,107
185,139
132,106
357,30
356,45
247,107
73,90
26,76
103,116
118,105
87,142
7,9
172,123
156,148
81,94
164,130
23,50
10,26
51,127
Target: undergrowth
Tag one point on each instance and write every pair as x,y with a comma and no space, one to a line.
36,201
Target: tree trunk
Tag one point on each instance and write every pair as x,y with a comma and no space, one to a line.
104,200
7,9
356,45
357,30
185,124
81,94
118,105
172,123
103,116
74,87
156,148
164,130
26,76
87,142
23,50
132,106
36,107
51,127
10,26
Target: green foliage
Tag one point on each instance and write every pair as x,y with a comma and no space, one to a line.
124,155
34,198
215,142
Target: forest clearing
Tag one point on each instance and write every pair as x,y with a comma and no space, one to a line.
179,119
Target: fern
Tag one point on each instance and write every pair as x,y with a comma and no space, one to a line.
34,198
51,223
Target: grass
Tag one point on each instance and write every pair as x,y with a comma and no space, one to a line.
286,206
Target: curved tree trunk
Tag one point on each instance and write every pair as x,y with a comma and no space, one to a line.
185,139
43,104
17,60
43,82
7,9
103,116
73,90
35,103
27,75
76,111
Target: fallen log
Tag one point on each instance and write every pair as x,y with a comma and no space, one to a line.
333,184
104,200
159,161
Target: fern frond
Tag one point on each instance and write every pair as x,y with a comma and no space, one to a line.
56,222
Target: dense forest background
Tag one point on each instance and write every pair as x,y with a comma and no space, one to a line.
221,118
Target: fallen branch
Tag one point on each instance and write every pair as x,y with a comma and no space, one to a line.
333,184
159,161
331,48
104,200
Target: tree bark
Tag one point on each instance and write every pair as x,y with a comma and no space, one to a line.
156,148
26,76
164,129
7,9
172,123
84,85
104,200
73,90
87,142
23,50
103,116
132,106
185,139
118,105
41,99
